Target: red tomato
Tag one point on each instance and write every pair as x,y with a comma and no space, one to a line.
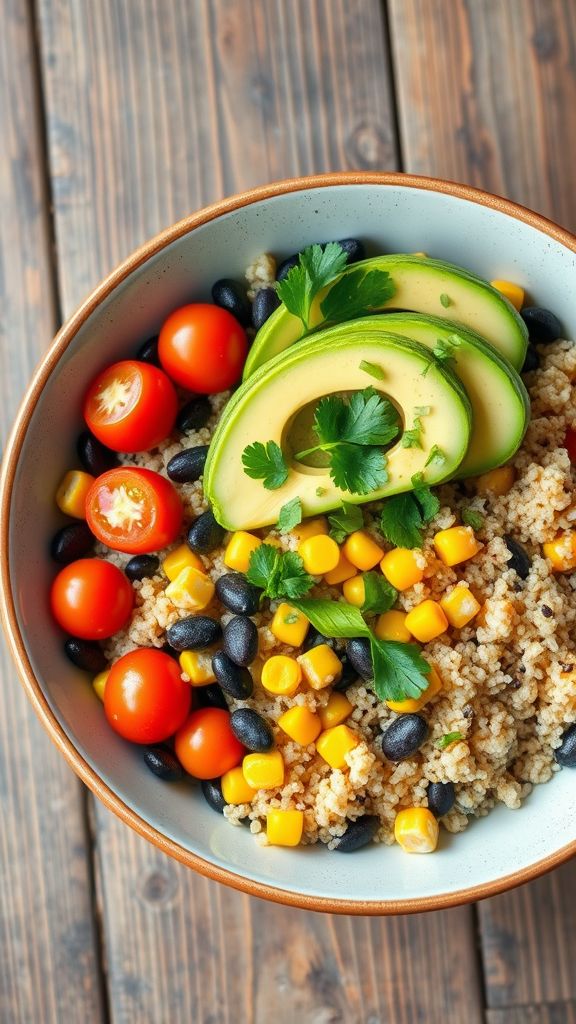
203,348
145,699
205,744
131,406
133,510
91,598
570,445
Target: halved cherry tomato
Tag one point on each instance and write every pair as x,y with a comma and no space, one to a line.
131,406
133,510
91,598
570,444
203,348
146,700
205,744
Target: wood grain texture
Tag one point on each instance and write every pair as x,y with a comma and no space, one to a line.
48,963
551,1013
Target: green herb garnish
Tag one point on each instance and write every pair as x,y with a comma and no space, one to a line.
448,738
379,595
317,266
445,300
412,438
344,521
404,516
266,463
436,455
278,573
375,371
472,518
357,293
320,491
290,515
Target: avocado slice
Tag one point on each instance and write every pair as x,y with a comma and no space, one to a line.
500,402
422,285
275,400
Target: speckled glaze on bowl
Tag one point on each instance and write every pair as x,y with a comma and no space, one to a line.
392,213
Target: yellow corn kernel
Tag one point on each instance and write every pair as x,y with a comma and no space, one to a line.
415,703
181,558
334,744
513,292
562,552
320,666
301,725
235,789
191,590
238,550
402,567
456,545
264,771
99,683
320,554
272,540
354,591
343,571
310,528
284,828
336,711
392,626
289,625
71,494
197,665
459,606
362,550
416,829
426,621
497,481
281,675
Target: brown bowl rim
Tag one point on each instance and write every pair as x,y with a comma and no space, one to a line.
7,607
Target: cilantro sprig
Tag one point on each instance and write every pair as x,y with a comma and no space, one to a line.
278,573
290,515
265,462
413,438
448,738
471,517
356,294
316,267
344,521
404,516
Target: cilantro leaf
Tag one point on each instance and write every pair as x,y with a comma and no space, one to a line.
428,502
294,580
448,738
344,521
334,618
400,671
290,515
357,469
266,463
370,419
264,567
329,419
436,455
317,266
445,300
405,515
356,294
379,595
323,263
375,371
278,573
471,517
411,438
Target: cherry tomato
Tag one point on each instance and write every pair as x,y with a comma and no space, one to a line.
133,510
203,348
131,406
205,744
145,699
91,599
570,445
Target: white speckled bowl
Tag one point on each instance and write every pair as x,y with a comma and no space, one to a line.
392,213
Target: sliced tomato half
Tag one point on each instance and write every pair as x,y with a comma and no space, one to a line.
131,406
134,510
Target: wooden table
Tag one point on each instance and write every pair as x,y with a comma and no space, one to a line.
118,117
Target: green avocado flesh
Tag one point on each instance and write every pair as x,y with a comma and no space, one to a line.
265,409
422,285
500,403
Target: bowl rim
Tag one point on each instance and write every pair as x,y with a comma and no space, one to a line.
14,636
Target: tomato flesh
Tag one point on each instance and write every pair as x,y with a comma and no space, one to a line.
134,510
91,599
203,348
131,406
205,744
145,699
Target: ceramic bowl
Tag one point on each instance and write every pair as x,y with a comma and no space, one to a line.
392,213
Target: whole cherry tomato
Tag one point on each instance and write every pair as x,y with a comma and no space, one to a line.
134,510
131,406
91,598
203,348
205,744
570,444
145,699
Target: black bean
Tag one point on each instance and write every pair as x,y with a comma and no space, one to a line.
187,466
441,797
237,594
194,415
519,559
148,352
358,834
163,763
166,649
349,673
211,697
251,729
193,633
205,534
212,792
230,295
543,325
404,737
85,654
353,248
95,457
141,566
286,266
263,305
358,651
71,542
234,679
314,639
546,611
565,754
240,640
531,361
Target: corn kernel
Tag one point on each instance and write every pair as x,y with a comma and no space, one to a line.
343,571
456,545
415,703
354,591
402,567
562,552
336,711
334,744
99,683
289,625
284,828
320,666
264,771
426,621
281,675
239,549
301,725
192,591
459,606
181,558
71,494
320,554
392,626
310,528
235,789
513,292
416,830
497,481
362,551
197,665
272,540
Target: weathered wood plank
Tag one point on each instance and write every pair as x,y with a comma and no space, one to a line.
49,965
547,1013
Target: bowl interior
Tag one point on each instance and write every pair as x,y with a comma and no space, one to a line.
391,218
